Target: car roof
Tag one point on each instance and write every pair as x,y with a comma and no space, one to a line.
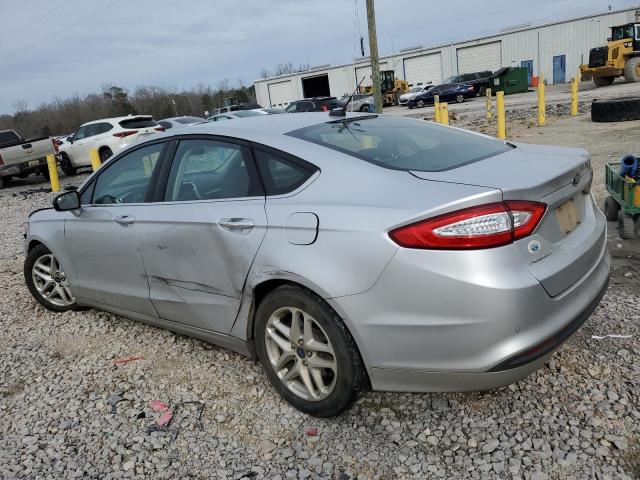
259,126
117,119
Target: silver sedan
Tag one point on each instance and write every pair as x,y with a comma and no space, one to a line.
345,253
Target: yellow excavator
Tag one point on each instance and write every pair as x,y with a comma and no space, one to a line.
390,86
620,57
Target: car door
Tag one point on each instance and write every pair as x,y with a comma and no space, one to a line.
103,239
198,246
74,149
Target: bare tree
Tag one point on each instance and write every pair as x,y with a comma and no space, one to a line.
20,106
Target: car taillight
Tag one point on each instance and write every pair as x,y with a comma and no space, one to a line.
126,133
471,88
484,226
324,108
55,145
1,161
159,129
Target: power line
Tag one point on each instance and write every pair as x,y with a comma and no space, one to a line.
35,20
62,30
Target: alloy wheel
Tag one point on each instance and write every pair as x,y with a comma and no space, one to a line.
459,98
420,104
51,282
301,353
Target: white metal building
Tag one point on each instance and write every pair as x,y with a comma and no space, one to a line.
554,49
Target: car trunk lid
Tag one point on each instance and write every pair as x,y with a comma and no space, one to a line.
570,236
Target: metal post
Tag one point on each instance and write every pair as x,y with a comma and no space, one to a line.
53,173
502,133
436,107
373,53
95,159
574,97
542,112
489,111
444,113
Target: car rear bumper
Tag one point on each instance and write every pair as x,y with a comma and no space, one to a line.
26,167
448,321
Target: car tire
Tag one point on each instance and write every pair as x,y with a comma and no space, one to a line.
66,165
410,107
611,208
626,227
616,110
50,289
105,154
323,377
632,70
4,181
459,98
603,81
44,171
364,108
420,103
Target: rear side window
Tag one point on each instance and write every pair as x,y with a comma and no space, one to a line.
138,123
281,175
401,143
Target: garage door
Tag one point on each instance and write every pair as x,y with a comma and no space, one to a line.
423,69
487,56
366,73
280,93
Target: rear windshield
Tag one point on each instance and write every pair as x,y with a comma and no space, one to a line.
246,113
402,143
187,120
8,137
138,123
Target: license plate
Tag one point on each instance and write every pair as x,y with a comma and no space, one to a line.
34,163
567,216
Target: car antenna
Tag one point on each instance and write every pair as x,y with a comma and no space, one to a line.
342,111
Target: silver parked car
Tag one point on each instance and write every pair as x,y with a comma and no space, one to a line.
344,252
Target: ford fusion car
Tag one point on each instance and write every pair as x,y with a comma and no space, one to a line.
345,253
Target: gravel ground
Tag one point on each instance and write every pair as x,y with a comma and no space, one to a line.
69,409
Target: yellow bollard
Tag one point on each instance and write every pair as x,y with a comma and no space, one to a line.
542,111
95,159
489,111
502,133
444,113
436,107
574,97
53,173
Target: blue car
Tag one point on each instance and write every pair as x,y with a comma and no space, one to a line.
449,92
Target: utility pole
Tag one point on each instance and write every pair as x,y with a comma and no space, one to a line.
373,54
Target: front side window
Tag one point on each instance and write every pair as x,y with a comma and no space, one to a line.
80,133
281,175
401,143
210,170
127,179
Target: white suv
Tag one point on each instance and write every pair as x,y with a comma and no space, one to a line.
108,136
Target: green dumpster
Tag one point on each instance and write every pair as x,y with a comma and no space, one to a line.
510,80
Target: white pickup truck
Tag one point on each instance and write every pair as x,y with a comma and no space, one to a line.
20,157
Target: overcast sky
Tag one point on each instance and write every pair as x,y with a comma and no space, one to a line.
52,48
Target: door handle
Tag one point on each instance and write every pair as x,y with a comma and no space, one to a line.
124,220
240,225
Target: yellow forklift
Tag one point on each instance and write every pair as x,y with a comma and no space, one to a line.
620,57
390,86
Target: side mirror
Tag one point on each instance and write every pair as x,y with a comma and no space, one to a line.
67,201
70,139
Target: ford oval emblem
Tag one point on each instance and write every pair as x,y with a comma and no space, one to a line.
534,246
576,180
